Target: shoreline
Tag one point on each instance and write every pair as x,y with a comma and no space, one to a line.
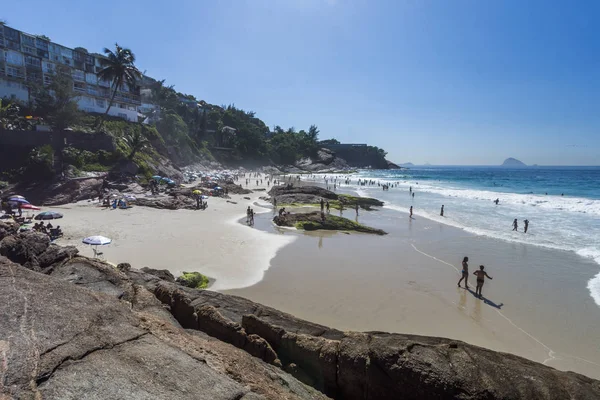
397,293
335,290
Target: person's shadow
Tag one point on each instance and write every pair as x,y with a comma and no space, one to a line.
486,300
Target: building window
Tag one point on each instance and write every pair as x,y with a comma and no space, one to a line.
14,72
47,79
29,50
66,61
91,78
28,40
79,86
100,103
14,58
78,75
36,62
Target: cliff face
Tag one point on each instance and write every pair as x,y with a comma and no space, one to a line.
79,328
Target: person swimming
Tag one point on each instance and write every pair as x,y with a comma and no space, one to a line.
481,274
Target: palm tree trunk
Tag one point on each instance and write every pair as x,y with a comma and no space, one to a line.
112,99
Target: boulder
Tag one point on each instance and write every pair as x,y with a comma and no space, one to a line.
377,365
60,340
163,274
24,248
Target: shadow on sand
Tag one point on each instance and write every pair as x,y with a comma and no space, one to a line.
486,300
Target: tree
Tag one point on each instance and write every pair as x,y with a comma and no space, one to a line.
313,133
9,115
119,68
137,141
57,102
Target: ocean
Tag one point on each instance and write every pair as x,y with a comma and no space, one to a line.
562,204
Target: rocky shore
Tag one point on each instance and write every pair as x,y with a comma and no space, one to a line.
313,221
312,195
74,327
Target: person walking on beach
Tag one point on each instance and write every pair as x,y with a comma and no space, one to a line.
465,272
442,211
322,205
526,222
410,216
356,207
252,217
248,215
515,225
481,274
327,206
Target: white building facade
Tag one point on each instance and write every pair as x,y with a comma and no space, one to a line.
26,59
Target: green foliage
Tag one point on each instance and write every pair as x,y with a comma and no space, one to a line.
194,280
88,161
11,118
3,184
40,163
57,102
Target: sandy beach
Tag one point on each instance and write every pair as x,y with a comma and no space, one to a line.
210,241
403,282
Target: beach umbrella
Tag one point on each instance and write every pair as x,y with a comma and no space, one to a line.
197,191
204,197
157,177
96,240
18,200
48,215
16,196
218,188
30,207
165,179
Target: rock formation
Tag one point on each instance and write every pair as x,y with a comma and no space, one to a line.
313,194
312,221
513,162
81,328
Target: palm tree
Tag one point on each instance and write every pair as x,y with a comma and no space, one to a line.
119,68
137,141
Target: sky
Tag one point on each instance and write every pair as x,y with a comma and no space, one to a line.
461,82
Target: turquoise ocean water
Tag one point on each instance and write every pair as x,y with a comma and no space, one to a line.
561,203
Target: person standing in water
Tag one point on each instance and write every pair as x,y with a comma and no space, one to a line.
465,272
356,207
442,211
481,274
410,216
322,205
515,225
413,195
526,222
327,206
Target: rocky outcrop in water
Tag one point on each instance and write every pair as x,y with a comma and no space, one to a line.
312,221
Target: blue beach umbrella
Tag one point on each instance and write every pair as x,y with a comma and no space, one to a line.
156,177
48,215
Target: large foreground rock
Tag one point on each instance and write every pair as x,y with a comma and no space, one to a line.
372,365
58,340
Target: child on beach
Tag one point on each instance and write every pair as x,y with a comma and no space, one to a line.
481,274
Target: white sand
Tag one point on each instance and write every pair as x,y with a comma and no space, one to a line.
210,241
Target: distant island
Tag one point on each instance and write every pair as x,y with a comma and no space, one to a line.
513,162
407,164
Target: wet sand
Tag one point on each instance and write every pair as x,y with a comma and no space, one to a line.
406,282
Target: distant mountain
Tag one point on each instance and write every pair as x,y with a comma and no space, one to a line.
407,164
513,162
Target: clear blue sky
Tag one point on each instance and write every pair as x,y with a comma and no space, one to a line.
445,82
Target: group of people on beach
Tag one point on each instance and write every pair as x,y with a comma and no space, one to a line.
48,229
480,274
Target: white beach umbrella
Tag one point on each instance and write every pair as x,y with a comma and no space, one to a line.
97,240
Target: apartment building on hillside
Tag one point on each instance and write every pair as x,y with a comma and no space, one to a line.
27,59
